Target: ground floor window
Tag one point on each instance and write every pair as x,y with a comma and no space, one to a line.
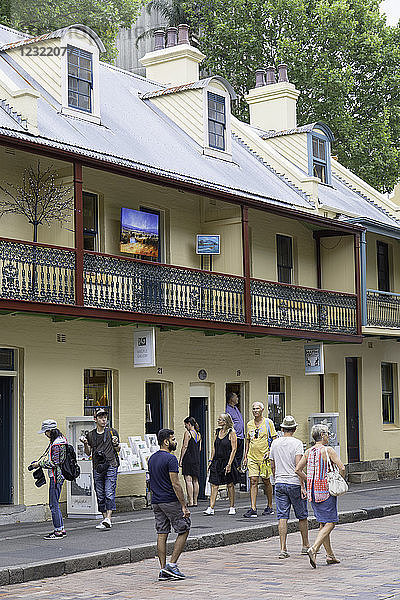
276,400
157,406
97,391
387,379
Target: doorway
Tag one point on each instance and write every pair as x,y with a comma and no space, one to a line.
154,407
198,408
352,416
6,392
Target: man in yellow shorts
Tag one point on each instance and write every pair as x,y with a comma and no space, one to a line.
260,433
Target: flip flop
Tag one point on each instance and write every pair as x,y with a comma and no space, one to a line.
312,556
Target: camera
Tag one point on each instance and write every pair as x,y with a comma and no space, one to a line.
38,476
101,463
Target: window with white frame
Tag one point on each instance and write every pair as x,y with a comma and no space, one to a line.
276,400
388,371
80,78
216,121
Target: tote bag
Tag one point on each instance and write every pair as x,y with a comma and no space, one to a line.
336,484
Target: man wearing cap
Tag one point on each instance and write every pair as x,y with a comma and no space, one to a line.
103,443
285,454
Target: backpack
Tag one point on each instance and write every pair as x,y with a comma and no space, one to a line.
70,468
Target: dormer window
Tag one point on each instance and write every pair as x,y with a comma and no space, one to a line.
320,169
319,152
216,121
80,79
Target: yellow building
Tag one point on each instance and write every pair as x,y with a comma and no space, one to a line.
306,251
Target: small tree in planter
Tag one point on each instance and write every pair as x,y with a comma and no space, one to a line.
39,198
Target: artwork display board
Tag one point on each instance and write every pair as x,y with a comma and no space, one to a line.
81,497
331,420
208,244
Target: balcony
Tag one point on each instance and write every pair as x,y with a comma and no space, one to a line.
38,273
383,309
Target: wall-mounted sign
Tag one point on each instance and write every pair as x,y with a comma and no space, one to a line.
314,359
202,374
144,348
140,233
208,244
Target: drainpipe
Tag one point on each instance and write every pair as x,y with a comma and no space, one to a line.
363,252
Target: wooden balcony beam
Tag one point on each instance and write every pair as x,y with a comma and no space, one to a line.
98,315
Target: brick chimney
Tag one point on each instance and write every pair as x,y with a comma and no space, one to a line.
173,61
273,103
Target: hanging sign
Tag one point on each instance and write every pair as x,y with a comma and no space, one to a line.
208,244
314,359
144,348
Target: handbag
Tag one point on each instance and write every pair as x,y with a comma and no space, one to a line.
336,484
207,489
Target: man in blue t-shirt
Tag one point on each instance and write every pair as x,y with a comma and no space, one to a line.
168,503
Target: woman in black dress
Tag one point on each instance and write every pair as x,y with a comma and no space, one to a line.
223,469
190,459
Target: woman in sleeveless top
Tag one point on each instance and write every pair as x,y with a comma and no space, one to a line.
190,459
223,469
323,504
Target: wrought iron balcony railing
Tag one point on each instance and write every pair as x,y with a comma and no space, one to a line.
295,307
33,272
36,272
383,309
151,288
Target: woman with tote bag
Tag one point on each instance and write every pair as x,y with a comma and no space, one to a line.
318,458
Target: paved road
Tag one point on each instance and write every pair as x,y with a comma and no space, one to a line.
369,570
23,543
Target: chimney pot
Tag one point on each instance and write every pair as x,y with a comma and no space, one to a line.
159,39
183,34
260,78
172,36
282,73
270,77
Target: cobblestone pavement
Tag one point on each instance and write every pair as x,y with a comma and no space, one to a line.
369,552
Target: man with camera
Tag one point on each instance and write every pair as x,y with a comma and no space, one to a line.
103,443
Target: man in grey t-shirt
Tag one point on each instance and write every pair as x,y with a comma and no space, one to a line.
285,453
103,443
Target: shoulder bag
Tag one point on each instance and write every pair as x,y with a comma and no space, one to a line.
336,484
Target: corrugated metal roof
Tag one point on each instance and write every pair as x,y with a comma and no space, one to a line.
195,85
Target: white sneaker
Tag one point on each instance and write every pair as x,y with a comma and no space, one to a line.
101,526
107,523
232,511
209,511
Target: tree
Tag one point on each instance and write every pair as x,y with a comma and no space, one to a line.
340,54
39,198
104,16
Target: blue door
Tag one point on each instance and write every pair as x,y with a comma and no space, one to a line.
198,410
6,384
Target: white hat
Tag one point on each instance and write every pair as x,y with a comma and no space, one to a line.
288,422
48,425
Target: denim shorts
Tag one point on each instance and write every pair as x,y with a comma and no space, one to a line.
287,495
170,513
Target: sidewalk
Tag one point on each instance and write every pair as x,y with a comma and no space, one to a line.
26,556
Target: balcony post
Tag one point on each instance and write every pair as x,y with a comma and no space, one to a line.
78,212
357,273
363,251
246,263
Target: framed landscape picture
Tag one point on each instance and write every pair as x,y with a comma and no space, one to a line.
208,244
140,233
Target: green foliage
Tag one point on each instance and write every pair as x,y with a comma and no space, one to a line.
104,16
340,54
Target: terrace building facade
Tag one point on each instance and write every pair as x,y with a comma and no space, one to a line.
308,252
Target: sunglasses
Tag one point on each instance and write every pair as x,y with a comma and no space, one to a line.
256,433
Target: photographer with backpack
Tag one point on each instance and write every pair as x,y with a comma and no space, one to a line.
103,443
52,460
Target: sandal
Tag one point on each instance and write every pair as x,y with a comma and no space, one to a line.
332,560
312,555
283,554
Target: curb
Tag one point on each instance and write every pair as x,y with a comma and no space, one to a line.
119,556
